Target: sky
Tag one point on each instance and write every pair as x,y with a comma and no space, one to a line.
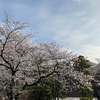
75,24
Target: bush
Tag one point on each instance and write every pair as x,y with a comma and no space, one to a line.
85,93
85,98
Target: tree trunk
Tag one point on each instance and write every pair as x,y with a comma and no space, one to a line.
10,93
10,97
9,90
17,96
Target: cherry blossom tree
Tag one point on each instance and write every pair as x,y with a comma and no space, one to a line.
23,64
13,52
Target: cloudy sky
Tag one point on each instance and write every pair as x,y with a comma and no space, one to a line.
75,24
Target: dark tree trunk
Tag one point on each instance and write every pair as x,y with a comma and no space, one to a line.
10,93
9,90
17,96
10,97
57,94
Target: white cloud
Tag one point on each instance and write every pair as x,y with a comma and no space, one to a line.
73,32
79,1
74,27
79,14
90,51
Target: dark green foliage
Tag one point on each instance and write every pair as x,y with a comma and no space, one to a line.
87,72
48,89
40,93
85,98
63,94
85,93
58,91
82,64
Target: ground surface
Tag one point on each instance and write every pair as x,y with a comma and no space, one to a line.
74,99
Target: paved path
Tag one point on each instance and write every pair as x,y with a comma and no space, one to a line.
73,99
70,99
